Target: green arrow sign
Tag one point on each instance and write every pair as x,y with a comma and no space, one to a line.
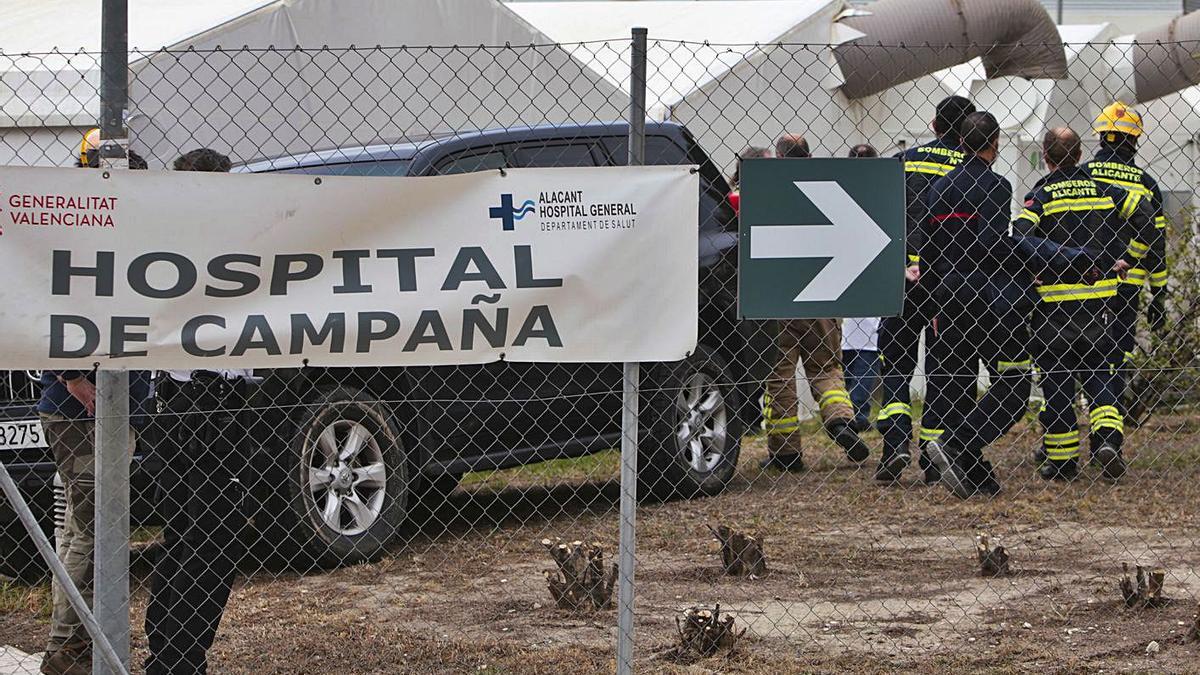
821,238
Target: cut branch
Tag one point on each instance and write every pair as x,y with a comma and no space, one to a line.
705,632
993,562
580,583
1146,591
742,554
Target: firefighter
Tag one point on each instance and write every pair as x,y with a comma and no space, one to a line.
818,344
899,336
982,294
1071,335
1119,128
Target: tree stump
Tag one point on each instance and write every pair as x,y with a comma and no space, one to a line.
580,583
1148,589
705,632
993,562
741,553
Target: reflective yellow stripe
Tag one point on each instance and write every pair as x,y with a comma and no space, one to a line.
1136,188
895,410
1105,288
1129,357
1130,204
928,167
1105,410
1137,249
931,434
1081,204
1159,279
914,259
1002,366
1160,222
1060,438
1124,125
1109,423
1063,453
834,397
1030,216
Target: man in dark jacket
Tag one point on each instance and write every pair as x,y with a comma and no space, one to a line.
1070,325
983,292
900,336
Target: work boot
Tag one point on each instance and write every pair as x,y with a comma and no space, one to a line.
860,425
855,447
783,454
931,474
1039,456
1065,470
892,463
73,658
964,475
1108,458
786,461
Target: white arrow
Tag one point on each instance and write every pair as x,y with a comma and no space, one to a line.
853,241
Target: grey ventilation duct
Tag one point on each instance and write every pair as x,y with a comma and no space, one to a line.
1165,58
1013,37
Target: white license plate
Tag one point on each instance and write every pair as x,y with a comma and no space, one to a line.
23,434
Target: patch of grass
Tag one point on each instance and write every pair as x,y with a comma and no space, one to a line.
598,466
18,598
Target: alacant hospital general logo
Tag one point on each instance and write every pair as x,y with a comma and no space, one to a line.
508,214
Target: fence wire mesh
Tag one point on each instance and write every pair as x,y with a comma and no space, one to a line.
455,519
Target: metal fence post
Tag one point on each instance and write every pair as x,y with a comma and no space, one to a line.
629,389
110,601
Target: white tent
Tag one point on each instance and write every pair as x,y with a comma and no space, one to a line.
715,66
257,97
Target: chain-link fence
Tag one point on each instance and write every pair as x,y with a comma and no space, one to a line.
443,518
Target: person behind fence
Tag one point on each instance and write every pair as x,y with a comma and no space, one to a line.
816,343
1072,339
860,350
900,336
201,414
1120,127
983,294
67,408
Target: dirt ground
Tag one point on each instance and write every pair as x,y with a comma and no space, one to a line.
862,578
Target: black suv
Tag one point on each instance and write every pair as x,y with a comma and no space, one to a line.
405,436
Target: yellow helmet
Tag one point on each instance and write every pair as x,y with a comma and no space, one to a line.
91,141
1119,118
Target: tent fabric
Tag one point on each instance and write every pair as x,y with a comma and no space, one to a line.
278,100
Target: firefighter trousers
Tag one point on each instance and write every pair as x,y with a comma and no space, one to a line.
1095,364
899,347
817,343
963,335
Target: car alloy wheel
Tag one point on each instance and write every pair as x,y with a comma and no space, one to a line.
702,434
347,477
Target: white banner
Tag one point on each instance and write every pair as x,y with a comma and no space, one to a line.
148,269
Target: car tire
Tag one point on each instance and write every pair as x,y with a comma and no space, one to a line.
693,435
349,486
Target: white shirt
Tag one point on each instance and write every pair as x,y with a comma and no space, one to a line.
227,373
861,334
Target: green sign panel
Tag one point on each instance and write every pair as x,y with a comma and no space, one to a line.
821,238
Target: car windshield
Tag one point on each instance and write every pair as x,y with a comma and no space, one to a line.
390,167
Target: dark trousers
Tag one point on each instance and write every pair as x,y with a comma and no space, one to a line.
965,334
1085,352
862,376
1125,308
899,344
202,542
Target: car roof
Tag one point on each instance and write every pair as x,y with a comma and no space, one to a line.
408,148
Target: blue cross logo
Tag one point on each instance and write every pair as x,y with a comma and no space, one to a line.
507,214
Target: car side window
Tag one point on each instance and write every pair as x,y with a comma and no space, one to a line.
471,161
659,150
540,155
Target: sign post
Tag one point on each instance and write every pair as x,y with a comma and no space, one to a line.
821,238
